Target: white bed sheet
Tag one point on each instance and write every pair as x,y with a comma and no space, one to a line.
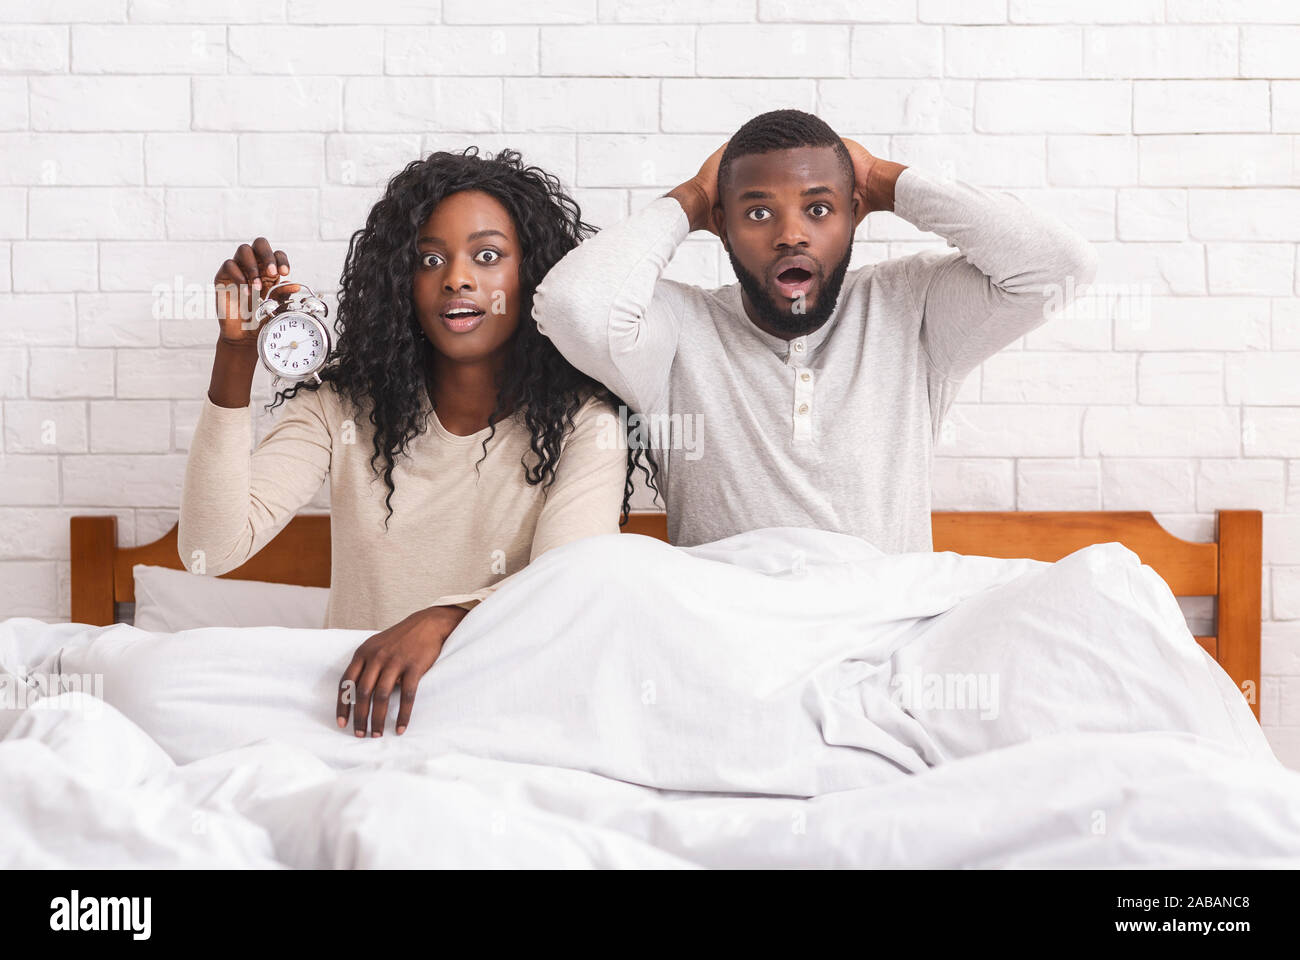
625,703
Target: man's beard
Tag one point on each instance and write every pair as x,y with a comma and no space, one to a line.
794,324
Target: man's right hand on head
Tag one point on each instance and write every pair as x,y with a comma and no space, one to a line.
699,195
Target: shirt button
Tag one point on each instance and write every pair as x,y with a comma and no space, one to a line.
798,346
805,377
803,408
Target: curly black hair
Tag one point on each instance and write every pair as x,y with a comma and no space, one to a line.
382,358
782,129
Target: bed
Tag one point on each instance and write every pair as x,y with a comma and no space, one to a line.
765,701
1229,569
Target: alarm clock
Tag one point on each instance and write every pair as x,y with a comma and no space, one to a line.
294,340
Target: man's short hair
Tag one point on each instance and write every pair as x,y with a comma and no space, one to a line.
784,129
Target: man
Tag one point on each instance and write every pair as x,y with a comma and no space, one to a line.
822,389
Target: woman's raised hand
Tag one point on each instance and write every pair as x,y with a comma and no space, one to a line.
242,282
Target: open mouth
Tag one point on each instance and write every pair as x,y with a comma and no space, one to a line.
794,282
462,319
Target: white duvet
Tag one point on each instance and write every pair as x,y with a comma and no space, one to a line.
781,698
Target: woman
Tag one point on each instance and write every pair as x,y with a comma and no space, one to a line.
490,447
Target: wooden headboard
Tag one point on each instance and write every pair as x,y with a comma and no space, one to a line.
1228,569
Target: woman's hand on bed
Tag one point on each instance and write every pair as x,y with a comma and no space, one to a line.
394,658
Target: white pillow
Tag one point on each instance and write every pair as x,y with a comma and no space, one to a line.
169,600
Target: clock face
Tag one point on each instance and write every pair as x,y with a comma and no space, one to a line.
294,345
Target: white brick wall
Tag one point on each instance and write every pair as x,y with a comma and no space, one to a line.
143,139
